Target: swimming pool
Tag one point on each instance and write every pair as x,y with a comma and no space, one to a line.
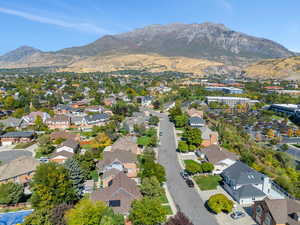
13,218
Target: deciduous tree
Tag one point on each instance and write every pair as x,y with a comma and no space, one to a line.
147,211
10,193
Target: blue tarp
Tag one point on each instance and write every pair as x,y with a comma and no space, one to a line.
13,218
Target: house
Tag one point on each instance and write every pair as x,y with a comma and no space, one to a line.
277,212
209,137
59,122
94,109
169,106
108,175
126,144
219,157
31,118
109,101
88,186
61,156
245,184
144,100
194,112
19,170
119,195
69,145
98,119
14,122
136,119
196,122
119,160
11,138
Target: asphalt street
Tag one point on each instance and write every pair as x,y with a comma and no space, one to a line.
187,199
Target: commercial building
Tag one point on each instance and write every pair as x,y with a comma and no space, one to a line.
230,101
227,90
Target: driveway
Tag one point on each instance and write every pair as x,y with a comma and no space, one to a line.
187,199
223,218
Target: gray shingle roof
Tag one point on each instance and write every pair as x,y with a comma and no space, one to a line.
196,120
249,191
242,174
95,118
18,134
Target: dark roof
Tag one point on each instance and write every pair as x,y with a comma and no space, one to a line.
18,134
249,191
196,120
122,188
242,174
96,118
59,118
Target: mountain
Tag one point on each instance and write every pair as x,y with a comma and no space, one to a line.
19,54
285,68
214,44
149,62
208,40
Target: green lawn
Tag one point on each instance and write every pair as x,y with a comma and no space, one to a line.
94,175
296,145
144,141
207,182
163,198
169,210
23,145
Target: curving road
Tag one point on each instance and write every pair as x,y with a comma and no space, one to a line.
186,199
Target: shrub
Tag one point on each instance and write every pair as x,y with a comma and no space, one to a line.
183,146
207,167
192,167
220,203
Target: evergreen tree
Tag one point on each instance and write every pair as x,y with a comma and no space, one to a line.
76,175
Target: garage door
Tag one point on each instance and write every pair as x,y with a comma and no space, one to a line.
5,143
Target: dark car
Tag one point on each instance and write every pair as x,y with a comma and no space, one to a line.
190,183
237,215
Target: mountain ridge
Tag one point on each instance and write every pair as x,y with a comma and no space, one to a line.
206,41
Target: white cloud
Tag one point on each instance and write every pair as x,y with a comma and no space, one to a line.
81,26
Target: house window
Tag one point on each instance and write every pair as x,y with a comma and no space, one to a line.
114,203
268,220
258,210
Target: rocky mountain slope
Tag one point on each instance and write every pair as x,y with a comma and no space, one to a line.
208,40
286,68
193,44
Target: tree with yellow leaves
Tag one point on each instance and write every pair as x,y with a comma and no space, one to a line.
290,132
270,133
101,141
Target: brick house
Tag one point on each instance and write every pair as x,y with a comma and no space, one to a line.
59,122
11,138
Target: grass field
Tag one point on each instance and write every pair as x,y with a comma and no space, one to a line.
207,182
23,145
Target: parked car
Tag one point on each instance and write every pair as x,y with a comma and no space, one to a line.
160,133
184,174
237,215
190,183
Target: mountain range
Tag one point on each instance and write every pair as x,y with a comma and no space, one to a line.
183,47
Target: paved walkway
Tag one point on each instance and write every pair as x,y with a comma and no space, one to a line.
186,199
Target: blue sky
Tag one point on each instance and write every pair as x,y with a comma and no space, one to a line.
54,24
